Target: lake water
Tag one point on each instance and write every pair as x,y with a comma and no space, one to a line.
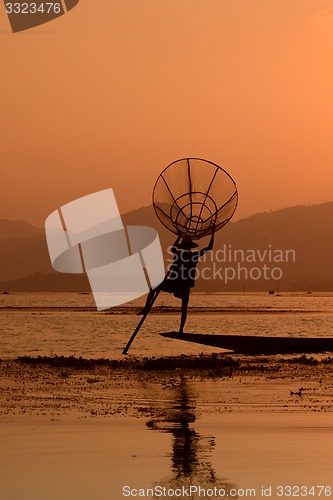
69,324
243,453
238,456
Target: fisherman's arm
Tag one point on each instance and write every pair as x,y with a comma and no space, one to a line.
210,244
176,243
211,241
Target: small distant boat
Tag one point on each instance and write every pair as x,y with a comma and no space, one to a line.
252,344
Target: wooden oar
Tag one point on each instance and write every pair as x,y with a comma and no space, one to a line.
129,343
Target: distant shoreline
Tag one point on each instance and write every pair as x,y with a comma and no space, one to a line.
162,310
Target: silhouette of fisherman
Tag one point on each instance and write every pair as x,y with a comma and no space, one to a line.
181,277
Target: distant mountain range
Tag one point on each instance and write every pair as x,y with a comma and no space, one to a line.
285,250
17,229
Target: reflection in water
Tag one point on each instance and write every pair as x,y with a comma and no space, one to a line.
191,452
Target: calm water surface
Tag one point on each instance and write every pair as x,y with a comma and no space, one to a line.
241,455
68,323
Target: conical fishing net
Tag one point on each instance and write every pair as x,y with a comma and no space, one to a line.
192,195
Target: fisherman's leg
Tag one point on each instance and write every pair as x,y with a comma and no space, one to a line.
185,300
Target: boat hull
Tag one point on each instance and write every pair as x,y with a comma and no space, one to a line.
251,344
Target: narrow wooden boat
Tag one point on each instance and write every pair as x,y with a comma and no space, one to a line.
252,344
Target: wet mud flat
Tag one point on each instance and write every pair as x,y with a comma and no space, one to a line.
144,387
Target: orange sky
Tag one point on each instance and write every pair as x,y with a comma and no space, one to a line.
112,92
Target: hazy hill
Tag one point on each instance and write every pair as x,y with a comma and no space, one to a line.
21,257
17,229
304,230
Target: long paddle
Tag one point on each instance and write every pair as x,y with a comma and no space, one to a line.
129,343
